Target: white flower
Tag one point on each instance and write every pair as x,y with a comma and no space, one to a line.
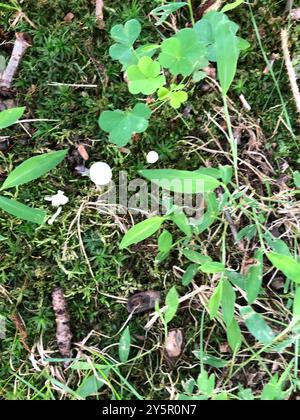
152,157
58,199
100,173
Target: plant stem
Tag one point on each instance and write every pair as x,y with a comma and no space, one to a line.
233,143
191,11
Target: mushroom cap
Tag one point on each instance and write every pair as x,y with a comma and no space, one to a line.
100,173
152,157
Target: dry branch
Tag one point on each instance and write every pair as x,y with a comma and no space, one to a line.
22,42
290,69
62,317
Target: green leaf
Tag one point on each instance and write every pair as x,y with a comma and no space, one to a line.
124,345
247,232
254,278
127,34
183,53
90,386
181,221
213,268
296,307
234,336
297,178
21,211
277,245
226,173
176,97
190,274
10,116
196,257
163,12
145,77
199,75
206,384
2,238
232,6
228,302
257,325
212,361
227,55
142,231
215,301
288,265
187,182
123,124
33,168
165,242
172,302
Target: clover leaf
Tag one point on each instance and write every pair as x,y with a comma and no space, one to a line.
176,96
183,53
145,77
123,124
125,36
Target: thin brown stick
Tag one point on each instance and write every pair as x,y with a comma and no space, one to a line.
290,69
21,44
100,14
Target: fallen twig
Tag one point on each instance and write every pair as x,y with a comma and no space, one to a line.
290,69
62,317
22,42
100,14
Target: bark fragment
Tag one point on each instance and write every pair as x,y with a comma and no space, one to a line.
62,317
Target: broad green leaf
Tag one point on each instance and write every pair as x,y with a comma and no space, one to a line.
227,53
172,302
10,116
190,274
90,386
199,75
22,211
124,345
124,54
126,34
2,238
183,53
213,268
145,77
163,12
213,172
165,241
176,98
187,182
296,307
196,257
237,279
277,245
254,278
204,31
246,394
121,125
273,390
33,168
142,231
226,173
297,178
232,6
211,215
181,221
214,362
215,301
257,326
247,232
206,384
234,336
288,265
228,302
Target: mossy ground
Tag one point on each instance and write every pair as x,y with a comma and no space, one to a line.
31,259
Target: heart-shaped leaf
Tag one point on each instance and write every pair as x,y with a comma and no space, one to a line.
33,168
182,53
9,117
186,182
145,77
123,124
126,34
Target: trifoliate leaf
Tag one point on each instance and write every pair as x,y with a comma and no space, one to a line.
182,53
125,36
145,77
176,97
123,124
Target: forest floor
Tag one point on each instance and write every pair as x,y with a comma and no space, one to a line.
80,251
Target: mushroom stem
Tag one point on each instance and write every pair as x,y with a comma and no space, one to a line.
21,44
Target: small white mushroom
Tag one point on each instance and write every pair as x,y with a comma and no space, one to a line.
59,199
100,173
152,157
